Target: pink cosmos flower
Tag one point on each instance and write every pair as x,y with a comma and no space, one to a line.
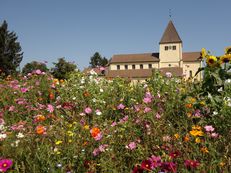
23,90
131,146
158,115
156,161
191,163
88,110
5,164
11,109
214,135
147,100
38,71
120,106
168,74
147,109
98,137
50,108
113,124
2,122
209,128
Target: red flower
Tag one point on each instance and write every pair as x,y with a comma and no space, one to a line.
168,167
191,163
137,169
174,154
147,165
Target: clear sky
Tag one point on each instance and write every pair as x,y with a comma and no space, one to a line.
76,29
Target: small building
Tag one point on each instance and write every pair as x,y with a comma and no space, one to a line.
170,58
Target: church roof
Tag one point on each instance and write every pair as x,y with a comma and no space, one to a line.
137,73
135,58
191,56
170,34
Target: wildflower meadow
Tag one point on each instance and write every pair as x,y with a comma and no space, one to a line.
91,124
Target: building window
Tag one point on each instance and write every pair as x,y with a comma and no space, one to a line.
126,67
133,66
141,66
165,47
173,47
190,73
169,47
149,66
169,65
118,67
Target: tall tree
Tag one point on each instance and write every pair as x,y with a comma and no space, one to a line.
34,65
10,50
62,69
97,60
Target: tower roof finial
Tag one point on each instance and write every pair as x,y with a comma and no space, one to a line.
170,13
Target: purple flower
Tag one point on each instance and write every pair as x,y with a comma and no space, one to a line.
88,110
5,164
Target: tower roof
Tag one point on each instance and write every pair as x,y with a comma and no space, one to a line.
170,34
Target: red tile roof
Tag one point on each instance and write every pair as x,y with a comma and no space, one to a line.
191,56
133,58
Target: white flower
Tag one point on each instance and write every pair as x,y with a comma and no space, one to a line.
215,113
101,90
2,136
228,81
20,135
74,98
220,89
98,112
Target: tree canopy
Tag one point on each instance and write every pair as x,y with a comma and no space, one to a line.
62,69
34,65
97,60
10,51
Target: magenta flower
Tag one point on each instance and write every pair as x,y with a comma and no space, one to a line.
168,167
88,110
137,169
5,164
156,161
131,146
120,106
147,165
209,128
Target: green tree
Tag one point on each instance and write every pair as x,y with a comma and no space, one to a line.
62,69
97,60
10,51
34,65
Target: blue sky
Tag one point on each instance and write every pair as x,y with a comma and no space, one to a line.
76,29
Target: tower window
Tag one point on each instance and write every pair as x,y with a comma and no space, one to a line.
118,67
165,47
173,47
126,67
133,66
141,66
169,47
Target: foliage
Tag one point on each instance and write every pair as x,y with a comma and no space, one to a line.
62,69
97,60
10,51
91,124
34,65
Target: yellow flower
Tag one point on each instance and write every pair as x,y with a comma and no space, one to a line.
202,103
228,50
192,100
70,141
58,142
203,52
177,136
204,150
225,58
86,127
221,164
196,133
198,140
70,133
196,127
211,61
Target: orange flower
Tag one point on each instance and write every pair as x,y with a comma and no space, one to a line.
40,130
51,96
94,132
186,138
40,118
189,105
86,94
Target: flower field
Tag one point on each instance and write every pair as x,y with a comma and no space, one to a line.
90,124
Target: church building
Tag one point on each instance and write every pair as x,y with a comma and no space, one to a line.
170,58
